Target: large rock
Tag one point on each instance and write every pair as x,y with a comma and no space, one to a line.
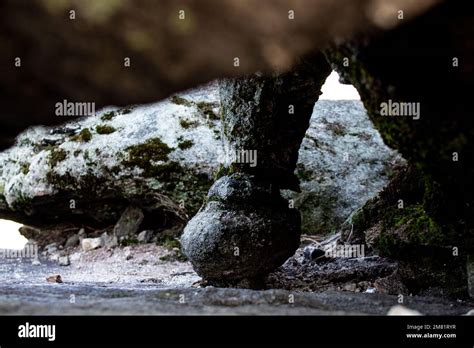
415,83
342,163
159,158
244,231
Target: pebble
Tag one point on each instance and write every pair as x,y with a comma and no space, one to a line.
56,278
91,243
64,261
402,310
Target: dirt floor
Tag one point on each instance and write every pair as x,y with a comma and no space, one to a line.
148,279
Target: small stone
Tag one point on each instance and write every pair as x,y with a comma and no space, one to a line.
64,261
402,310
350,287
129,223
312,253
370,291
128,254
145,236
109,241
81,233
36,262
51,248
72,241
91,243
391,285
471,312
56,278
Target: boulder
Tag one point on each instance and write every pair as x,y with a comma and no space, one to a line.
342,163
243,232
158,158
161,158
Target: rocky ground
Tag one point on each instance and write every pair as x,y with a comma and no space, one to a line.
152,279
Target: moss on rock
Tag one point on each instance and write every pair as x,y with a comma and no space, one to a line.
57,155
146,155
185,144
186,124
176,99
108,116
84,135
104,129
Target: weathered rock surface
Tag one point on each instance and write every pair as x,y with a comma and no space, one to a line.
159,158
425,219
342,163
252,232
244,231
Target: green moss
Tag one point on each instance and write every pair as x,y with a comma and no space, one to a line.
143,156
207,110
87,185
84,135
176,256
302,173
104,129
173,245
172,179
176,99
129,241
21,203
57,155
60,181
416,226
25,168
108,116
223,171
187,123
169,242
185,144
126,110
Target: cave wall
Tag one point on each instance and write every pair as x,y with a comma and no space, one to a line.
428,209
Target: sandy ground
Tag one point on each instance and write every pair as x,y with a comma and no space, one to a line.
142,279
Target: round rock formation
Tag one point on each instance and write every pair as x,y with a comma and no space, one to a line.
244,231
